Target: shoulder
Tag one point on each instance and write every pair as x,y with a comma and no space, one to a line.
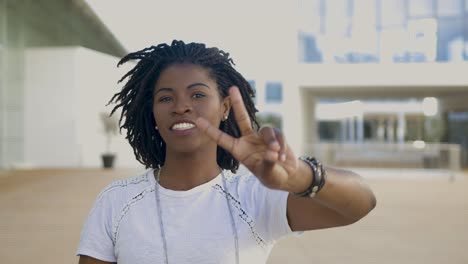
241,180
246,185
121,191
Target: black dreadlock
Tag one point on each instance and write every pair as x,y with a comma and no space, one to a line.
136,97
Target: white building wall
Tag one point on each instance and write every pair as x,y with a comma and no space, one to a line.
49,126
66,89
97,75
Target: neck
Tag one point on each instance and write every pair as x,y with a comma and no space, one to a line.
184,171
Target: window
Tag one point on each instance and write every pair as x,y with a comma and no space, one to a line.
421,8
329,130
449,7
422,40
465,35
337,22
274,92
308,48
310,16
360,31
363,41
450,40
252,84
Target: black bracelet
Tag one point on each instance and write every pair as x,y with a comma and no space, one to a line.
323,174
318,177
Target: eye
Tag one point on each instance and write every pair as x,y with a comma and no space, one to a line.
198,95
165,99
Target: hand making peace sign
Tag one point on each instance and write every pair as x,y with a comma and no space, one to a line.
265,152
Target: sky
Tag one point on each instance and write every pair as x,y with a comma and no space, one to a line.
255,33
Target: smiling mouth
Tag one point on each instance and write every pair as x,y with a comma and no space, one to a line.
182,126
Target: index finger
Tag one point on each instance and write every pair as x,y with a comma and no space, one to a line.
222,139
240,113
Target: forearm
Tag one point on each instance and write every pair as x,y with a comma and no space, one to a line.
344,191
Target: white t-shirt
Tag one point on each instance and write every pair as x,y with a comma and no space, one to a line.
123,226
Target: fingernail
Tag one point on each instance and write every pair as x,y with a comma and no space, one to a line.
283,157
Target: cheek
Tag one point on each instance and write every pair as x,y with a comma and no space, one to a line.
158,112
212,112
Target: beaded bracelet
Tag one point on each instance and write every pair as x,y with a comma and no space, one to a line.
318,177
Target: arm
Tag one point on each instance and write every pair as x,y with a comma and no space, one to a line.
89,260
344,199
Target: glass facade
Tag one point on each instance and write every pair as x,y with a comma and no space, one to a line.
374,31
274,92
253,85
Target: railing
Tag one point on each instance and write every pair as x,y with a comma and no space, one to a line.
389,155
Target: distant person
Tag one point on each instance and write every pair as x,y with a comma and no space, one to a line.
190,118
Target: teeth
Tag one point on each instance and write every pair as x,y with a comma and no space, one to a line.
183,126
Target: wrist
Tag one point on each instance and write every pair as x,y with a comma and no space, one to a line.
318,173
301,179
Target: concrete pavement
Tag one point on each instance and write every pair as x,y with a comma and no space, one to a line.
417,221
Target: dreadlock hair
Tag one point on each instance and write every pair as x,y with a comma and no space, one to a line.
136,97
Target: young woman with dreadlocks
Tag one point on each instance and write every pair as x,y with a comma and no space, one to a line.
190,119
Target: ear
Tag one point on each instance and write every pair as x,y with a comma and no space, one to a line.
226,105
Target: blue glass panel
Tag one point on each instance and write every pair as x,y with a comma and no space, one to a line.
449,7
465,35
308,48
336,19
422,40
309,16
360,45
252,84
450,39
274,92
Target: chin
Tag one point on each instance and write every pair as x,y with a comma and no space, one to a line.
186,147
192,146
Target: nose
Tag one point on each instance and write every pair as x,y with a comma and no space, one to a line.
182,106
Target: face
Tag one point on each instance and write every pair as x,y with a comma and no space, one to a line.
183,93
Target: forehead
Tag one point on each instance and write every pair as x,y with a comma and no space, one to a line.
184,74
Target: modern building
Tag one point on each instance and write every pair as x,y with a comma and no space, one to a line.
377,74
374,83
48,50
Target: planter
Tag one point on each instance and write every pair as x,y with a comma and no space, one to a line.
108,160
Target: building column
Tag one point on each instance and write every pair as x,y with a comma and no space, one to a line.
381,130
401,128
343,130
351,129
390,129
298,118
360,128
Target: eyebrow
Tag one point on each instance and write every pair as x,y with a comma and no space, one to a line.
188,87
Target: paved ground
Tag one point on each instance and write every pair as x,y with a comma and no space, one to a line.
418,221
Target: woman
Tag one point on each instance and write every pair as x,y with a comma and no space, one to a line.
191,121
